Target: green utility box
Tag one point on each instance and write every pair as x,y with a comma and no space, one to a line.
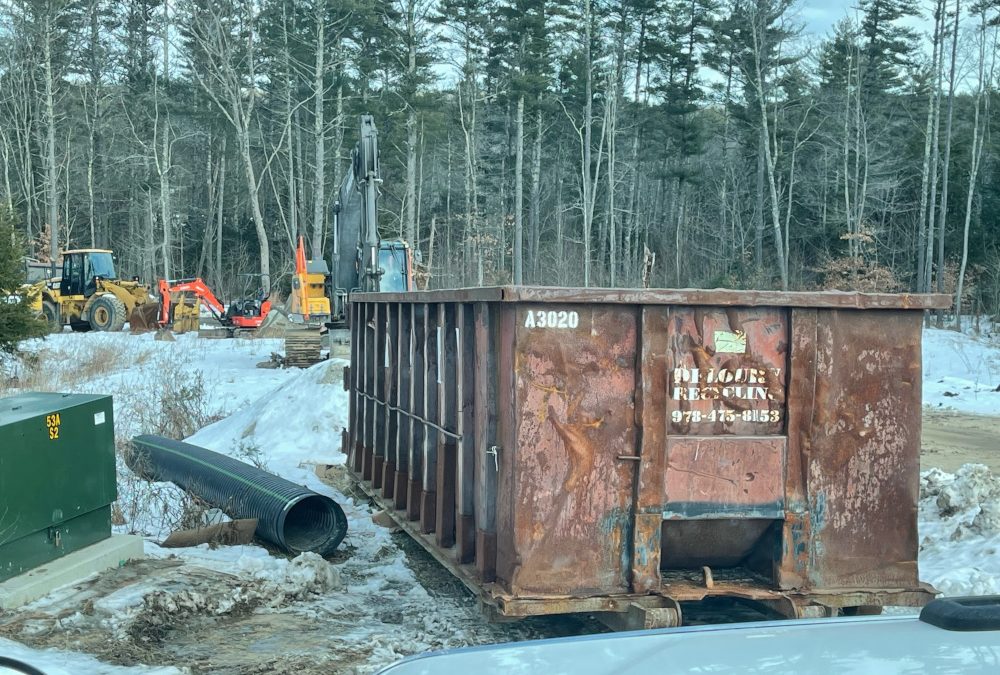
57,477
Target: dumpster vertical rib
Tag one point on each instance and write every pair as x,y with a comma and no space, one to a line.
507,421
447,446
651,421
485,383
349,442
392,400
417,347
368,456
792,566
379,421
428,493
403,427
466,526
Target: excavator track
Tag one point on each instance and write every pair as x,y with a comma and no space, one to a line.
302,348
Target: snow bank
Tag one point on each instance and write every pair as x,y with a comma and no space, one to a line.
295,425
960,530
960,372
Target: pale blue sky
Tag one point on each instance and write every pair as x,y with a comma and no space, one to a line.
820,16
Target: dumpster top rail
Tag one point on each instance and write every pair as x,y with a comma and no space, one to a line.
687,296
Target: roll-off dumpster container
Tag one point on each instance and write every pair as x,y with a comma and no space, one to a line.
571,450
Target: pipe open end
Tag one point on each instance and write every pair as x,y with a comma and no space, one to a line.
315,523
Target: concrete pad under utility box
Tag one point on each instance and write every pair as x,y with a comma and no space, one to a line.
39,582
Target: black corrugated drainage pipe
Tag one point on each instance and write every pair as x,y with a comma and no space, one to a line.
288,515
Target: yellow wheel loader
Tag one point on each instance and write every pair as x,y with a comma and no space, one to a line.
90,296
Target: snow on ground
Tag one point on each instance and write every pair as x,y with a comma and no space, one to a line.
961,372
58,662
367,607
960,530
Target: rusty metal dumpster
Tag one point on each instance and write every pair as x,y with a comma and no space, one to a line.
622,451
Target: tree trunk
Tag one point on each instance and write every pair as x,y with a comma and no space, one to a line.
935,153
768,156
612,103
536,199
947,160
219,214
588,119
319,135
52,173
758,230
519,194
560,252
925,174
411,127
206,238
293,166
978,138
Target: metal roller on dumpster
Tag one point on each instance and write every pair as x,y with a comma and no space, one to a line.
57,477
622,451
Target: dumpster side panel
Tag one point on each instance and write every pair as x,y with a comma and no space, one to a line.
727,368
575,379
728,477
863,450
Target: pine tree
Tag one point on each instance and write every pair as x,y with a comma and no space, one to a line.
17,321
887,45
522,50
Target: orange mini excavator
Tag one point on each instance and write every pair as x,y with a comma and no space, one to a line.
241,315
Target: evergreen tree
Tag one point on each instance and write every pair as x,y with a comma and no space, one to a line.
888,46
17,321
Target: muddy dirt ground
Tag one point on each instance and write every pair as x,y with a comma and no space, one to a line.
952,439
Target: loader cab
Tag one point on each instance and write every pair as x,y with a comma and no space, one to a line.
81,270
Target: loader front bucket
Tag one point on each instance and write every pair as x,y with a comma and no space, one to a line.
144,318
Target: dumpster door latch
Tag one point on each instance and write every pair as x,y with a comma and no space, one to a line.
495,450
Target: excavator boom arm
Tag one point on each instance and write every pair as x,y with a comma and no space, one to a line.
197,287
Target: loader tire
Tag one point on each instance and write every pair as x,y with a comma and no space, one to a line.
50,313
107,313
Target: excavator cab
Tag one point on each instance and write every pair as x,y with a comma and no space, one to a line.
250,307
395,266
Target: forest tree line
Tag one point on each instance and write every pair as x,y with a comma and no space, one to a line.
679,143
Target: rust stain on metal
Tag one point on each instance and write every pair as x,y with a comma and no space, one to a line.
715,476
864,462
711,392
574,390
